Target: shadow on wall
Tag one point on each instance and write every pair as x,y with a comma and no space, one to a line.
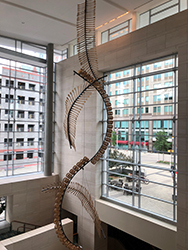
120,240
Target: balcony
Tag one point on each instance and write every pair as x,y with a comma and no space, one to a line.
21,101
21,115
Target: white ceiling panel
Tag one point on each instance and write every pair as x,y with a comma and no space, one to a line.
105,12
65,10
54,21
33,27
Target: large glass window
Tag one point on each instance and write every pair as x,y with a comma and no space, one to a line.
117,31
162,11
140,170
22,116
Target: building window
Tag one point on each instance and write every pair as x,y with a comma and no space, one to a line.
118,92
40,142
157,77
168,96
21,85
19,155
31,115
19,142
41,116
125,111
20,123
139,131
40,154
8,127
168,84
30,154
9,113
20,114
159,12
138,110
30,141
157,98
118,84
75,51
126,101
9,98
125,91
168,75
31,101
41,127
41,102
7,142
10,83
21,99
7,157
32,87
31,128
117,112
60,55
117,31
20,127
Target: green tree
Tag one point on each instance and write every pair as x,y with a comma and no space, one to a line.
116,155
113,138
161,144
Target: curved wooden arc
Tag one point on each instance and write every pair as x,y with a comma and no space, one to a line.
83,195
80,165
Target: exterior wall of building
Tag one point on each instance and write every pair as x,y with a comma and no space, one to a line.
162,38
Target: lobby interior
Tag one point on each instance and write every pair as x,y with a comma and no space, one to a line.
52,27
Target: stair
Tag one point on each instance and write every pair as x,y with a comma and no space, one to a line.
9,234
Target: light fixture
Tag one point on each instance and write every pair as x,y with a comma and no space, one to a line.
112,20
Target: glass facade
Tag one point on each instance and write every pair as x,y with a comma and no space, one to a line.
140,169
162,11
117,31
22,117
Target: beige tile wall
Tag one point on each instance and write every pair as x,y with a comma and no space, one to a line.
163,38
25,201
43,238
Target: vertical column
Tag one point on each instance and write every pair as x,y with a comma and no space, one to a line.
134,21
49,113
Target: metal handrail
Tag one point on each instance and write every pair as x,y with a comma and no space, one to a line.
24,225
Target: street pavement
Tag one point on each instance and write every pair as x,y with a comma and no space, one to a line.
163,202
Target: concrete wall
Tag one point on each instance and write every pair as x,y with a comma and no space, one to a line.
163,38
25,201
43,238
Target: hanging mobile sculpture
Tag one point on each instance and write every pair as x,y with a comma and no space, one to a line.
74,103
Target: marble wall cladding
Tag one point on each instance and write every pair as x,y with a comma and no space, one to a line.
162,38
25,201
86,136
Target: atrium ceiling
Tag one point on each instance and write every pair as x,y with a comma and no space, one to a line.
54,21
